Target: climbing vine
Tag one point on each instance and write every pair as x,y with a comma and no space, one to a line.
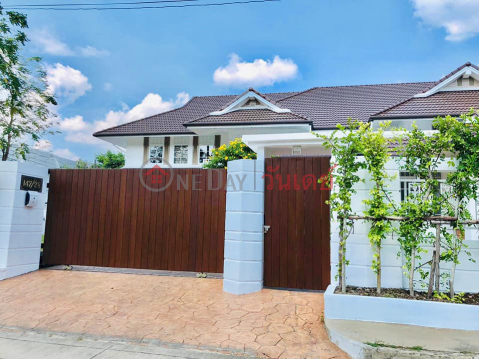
434,209
376,149
345,144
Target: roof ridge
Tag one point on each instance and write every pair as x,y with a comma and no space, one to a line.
264,109
391,107
298,93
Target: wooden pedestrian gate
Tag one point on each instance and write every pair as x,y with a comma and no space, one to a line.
107,218
297,244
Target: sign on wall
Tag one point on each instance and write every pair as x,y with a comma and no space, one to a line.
28,183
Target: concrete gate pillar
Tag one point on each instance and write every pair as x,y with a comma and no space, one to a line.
21,226
244,231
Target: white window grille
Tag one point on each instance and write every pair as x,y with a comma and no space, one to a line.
156,154
181,154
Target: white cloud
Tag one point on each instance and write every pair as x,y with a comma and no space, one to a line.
78,130
107,86
66,153
43,145
90,51
260,72
67,82
75,123
458,17
48,43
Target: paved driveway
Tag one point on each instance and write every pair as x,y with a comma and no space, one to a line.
194,312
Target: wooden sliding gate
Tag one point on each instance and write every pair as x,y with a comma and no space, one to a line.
108,218
297,244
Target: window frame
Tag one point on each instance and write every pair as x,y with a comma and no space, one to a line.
162,153
187,154
208,152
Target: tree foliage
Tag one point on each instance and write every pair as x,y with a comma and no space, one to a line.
236,150
25,100
110,160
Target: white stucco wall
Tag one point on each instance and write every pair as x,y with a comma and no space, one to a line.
360,253
21,227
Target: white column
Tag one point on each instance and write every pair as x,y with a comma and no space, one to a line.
21,227
244,236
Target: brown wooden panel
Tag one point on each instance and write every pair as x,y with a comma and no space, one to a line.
108,218
297,245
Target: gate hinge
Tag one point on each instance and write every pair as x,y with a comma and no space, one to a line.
266,229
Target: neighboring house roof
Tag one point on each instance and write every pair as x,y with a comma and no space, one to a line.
325,107
249,117
452,103
43,158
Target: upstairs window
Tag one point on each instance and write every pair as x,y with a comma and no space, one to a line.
181,154
156,154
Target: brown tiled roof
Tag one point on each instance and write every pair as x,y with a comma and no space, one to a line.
328,106
324,106
445,103
245,117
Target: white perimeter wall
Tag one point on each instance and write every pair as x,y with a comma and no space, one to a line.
21,228
360,253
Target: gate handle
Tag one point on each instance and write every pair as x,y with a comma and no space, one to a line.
266,229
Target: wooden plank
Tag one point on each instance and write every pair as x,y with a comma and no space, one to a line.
79,220
153,217
103,216
72,220
308,226
220,253
300,213
50,222
114,199
207,223
185,239
195,186
275,228
283,232
121,218
326,232
92,183
107,236
96,234
160,239
126,238
179,220
200,235
292,225
135,197
170,265
317,253
145,238
139,225
165,242
213,235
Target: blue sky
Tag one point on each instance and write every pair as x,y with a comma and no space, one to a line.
108,67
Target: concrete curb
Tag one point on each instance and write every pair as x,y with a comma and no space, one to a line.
358,350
